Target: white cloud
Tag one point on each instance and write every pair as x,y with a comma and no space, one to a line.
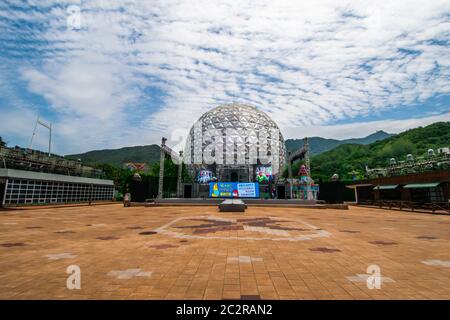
138,70
362,129
82,88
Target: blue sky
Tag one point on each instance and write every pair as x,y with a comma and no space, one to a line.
133,71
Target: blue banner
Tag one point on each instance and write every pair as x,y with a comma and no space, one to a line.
233,190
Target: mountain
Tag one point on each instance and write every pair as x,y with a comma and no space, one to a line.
150,153
318,145
348,157
377,136
117,157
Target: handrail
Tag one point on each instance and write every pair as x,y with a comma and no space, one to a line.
412,205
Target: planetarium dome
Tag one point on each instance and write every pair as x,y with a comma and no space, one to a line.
235,138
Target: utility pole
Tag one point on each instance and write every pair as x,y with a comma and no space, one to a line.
45,125
50,140
34,133
161,168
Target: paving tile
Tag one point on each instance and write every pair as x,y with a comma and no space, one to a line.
198,253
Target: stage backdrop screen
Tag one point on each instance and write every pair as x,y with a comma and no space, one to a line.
233,190
264,174
204,176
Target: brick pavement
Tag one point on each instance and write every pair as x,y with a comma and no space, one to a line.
199,253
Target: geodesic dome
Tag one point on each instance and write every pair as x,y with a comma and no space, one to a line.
233,134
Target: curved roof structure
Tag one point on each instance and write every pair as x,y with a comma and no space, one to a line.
235,135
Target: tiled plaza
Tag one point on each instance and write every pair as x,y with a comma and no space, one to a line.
200,253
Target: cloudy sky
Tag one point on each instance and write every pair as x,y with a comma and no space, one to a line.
109,74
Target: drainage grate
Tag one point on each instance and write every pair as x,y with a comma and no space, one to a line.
146,233
427,237
108,238
383,243
163,246
251,297
350,231
323,249
12,244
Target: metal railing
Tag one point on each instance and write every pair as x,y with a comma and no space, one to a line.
408,205
33,160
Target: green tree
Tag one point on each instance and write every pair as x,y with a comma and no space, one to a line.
348,157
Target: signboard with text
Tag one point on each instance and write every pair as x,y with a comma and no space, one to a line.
233,190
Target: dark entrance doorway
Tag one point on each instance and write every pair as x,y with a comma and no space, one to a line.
187,191
234,177
332,192
138,191
281,192
2,191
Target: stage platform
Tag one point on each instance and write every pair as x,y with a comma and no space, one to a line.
249,202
